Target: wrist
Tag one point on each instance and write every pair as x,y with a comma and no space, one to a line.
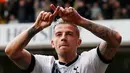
37,27
33,30
82,21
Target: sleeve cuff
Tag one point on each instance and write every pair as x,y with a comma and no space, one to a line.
31,66
102,58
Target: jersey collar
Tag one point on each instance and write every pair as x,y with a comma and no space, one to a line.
70,63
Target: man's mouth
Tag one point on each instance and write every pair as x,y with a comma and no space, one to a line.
64,45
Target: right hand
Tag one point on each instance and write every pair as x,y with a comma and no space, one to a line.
45,19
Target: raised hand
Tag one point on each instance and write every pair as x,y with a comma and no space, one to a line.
45,19
68,14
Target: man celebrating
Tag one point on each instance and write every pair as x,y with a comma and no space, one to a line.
65,41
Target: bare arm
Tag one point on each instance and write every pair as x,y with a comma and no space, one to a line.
112,39
15,49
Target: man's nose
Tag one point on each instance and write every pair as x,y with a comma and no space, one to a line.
63,38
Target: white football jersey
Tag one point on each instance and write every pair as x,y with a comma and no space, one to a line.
87,62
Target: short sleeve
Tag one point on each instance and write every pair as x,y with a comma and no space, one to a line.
43,64
93,62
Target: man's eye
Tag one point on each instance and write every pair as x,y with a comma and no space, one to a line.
69,33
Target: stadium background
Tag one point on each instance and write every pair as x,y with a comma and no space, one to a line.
17,13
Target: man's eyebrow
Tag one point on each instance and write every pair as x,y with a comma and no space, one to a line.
57,32
69,31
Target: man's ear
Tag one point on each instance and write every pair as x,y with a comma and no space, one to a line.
52,44
79,42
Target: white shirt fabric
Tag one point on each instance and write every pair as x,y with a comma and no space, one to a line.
87,62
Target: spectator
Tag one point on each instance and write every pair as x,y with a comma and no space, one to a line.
128,8
2,20
67,4
124,13
83,9
106,11
96,12
46,6
22,12
117,10
30,11
3,12
13,8
12,19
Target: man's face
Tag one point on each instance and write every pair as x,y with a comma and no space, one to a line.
66,39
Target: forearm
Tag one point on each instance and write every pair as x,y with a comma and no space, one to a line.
110,36
19,43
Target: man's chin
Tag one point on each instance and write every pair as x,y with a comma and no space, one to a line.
64,48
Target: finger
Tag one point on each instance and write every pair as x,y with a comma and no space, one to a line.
66,11
51,18
43,15
62,9
39,16
47,16
53,7
70,9
66,8
56,12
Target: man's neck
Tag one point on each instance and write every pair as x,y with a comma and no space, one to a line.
67,58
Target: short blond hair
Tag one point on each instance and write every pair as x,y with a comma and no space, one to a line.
61,21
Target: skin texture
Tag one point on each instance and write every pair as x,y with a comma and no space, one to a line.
65,40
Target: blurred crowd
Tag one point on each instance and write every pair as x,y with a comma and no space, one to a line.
25,11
